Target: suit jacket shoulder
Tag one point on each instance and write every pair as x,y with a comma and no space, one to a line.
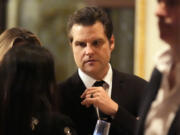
127,91
131,88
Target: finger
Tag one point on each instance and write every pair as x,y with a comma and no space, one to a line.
97,94
92,90
89,95
95,91
87,105
83,95
88,101
86,92
92,95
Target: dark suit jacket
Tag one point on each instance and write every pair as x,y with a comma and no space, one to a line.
53,124
127,91
149,97
48,124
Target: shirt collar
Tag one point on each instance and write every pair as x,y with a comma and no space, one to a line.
164,60
89,81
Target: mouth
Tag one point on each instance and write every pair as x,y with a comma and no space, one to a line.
165,23
90,61
164,27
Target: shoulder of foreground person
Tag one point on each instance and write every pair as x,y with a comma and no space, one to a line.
54,124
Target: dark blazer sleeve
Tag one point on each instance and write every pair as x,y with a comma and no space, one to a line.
127,91
124,122
149,95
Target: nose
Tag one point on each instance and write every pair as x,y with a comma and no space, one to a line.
161,9
89,50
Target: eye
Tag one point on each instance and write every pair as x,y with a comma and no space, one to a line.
81,44
97,42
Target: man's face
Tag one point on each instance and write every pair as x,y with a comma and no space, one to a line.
91,49
168,12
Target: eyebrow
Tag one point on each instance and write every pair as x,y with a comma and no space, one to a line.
79,42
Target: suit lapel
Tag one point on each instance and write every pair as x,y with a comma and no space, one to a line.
79,88
117,86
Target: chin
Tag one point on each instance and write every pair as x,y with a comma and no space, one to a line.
90,72
166,36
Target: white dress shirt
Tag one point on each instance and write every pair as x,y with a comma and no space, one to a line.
89,81
163,109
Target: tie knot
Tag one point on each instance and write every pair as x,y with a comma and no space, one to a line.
98,83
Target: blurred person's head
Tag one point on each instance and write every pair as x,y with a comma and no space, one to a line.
168,12
16,36
90,34
27,82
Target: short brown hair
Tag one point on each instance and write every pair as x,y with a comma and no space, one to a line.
88,16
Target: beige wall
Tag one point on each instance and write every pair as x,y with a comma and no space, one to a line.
152,42
12,13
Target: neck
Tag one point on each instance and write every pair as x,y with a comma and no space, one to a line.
100,75
176,53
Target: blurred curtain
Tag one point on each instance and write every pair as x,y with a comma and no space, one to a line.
140,32
3,6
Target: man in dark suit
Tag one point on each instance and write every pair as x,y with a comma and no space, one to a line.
90,34
160,109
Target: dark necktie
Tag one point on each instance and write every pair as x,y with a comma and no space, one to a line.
98,83
103,116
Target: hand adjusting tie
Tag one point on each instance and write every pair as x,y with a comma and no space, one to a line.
103,116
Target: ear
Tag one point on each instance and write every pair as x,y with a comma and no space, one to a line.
70,44
112,43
